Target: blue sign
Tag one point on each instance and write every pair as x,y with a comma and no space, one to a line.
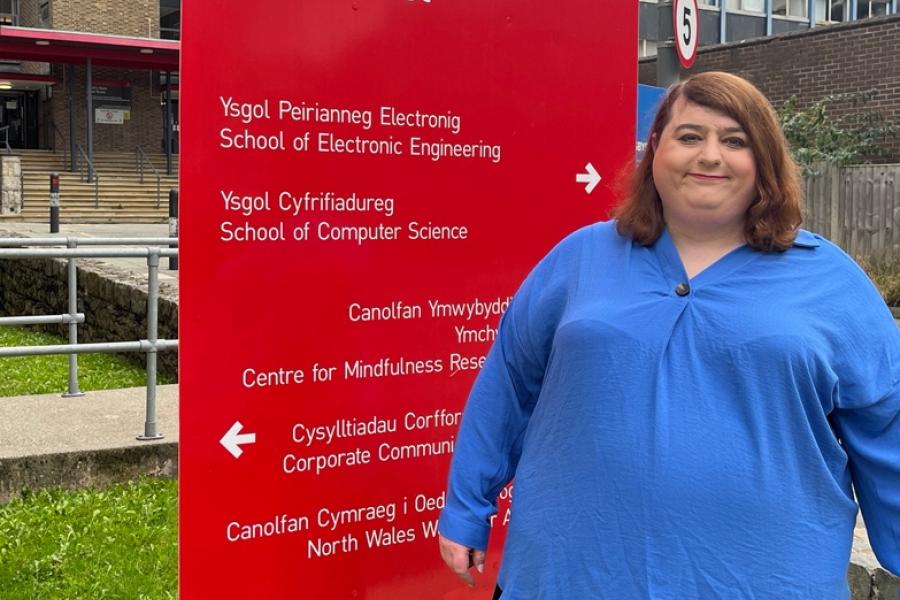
649,98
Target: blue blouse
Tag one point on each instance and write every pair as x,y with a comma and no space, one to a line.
676,439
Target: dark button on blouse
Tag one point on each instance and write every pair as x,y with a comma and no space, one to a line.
683,289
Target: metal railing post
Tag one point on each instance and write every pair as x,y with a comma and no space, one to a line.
167,134
73,157
154,249
89,129
72,281
142,158
150,432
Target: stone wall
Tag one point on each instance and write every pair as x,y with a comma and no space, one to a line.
868,579
10,185
848,57
114,303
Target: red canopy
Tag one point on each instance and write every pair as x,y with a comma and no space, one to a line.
46,45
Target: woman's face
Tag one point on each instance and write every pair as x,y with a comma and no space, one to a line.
704,169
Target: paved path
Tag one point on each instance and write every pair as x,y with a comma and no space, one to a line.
51,424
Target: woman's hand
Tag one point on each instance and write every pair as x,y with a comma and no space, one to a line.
460,558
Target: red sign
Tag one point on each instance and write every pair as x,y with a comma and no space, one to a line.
686,25
364,185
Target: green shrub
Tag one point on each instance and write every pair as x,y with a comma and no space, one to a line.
837,129
886,277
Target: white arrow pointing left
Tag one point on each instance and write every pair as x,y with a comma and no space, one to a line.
234,439
591,178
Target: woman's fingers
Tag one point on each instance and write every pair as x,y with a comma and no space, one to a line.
478,560
459,558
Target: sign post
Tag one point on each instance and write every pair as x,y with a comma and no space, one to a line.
686,25
364,187
679,34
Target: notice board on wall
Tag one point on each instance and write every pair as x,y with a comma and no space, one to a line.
364,184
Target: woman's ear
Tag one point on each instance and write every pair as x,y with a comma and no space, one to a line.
654,141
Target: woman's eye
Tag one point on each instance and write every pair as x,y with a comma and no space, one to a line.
736,142
689,137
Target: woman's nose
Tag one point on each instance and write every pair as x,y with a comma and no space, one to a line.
711,153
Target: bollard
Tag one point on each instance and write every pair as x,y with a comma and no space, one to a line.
54,202
173,225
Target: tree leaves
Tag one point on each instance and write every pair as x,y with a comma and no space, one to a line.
837,129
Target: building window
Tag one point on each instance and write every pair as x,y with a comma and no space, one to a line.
790,8
44,13
830,11
713,3
646,48
170,19
872,8
755,6
9,12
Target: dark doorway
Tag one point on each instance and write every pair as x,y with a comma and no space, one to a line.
19,112
173,123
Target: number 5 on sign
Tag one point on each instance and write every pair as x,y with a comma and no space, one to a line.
687,31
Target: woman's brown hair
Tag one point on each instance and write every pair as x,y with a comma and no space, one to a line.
775,215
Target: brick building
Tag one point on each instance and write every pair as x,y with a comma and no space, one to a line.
812,63
48,48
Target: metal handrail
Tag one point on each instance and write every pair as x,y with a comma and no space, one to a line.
74,242
141,157
150,346
91,170
57,132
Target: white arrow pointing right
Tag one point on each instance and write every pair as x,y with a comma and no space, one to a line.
591,178
233,439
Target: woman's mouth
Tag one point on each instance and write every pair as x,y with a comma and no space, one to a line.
706,177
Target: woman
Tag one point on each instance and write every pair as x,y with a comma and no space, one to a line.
685,395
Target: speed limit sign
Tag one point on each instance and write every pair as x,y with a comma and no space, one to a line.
686,26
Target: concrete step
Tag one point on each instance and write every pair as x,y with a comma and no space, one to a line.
123,198
102,217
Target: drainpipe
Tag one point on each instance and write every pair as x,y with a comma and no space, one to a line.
73,157
89,132
167,134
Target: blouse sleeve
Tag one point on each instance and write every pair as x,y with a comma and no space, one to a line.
867,410
489,442
871,437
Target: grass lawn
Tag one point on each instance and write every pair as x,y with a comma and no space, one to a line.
49,374
118,542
